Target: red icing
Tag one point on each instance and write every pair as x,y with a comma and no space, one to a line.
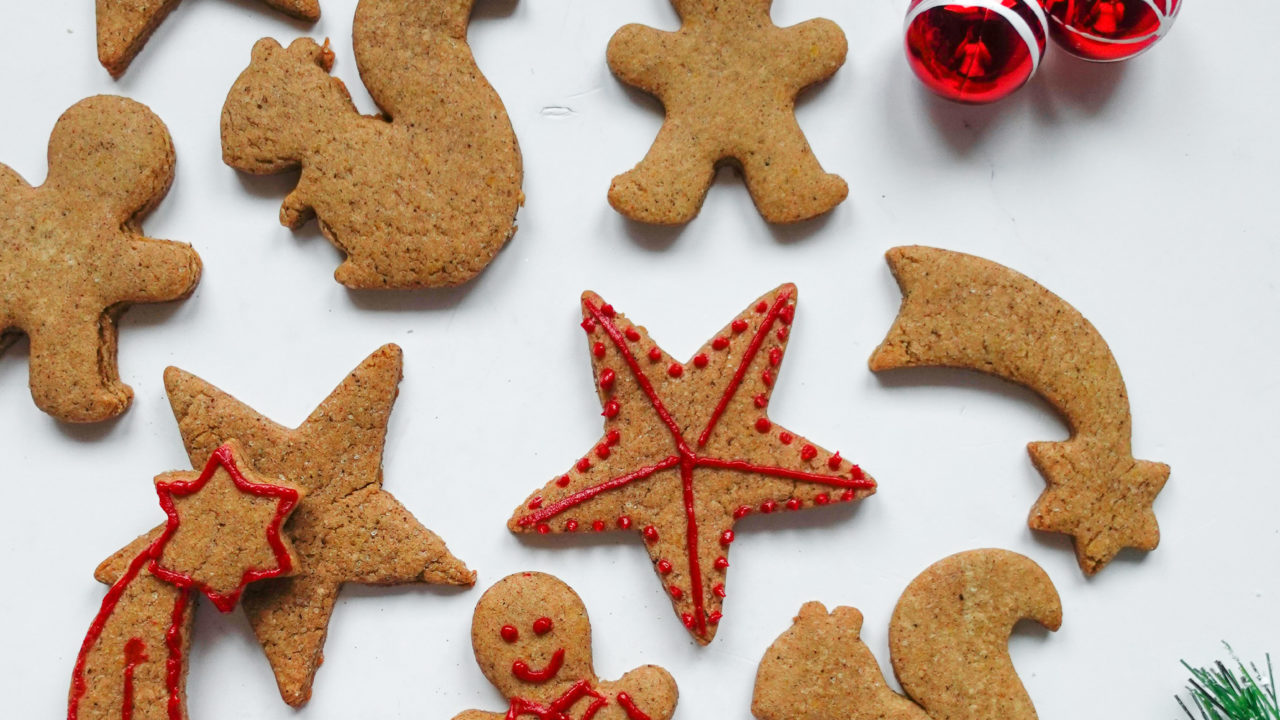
664,567
762,306
135,653
847,495
629,706
589,324
739,325
563,481
571,525
822,499
720,343
542,625
700,360
808,452
597,525
543,528
747,358
602,451
650,533
655,354
521,670
766,377
675,370
624,522
612,437
607,310
676,592
598,349
558,708
793,504
584,465
611,409
760,400
715,618
722,563
632,335
785,438
726,538
718,590
509,633
775,357
833,462
768,506
535,503
763,425
607,377
782,334
741,512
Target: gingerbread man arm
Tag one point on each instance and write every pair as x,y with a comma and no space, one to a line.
641,56
813,51
158,271
649,689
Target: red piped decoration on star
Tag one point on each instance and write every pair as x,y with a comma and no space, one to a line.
698,433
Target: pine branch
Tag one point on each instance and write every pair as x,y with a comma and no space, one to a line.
1222,693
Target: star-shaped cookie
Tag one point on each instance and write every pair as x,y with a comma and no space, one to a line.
124,26
689,449
346,529
728,79
72,254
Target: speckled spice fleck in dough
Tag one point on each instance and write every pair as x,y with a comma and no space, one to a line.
424,195
728,79
72,253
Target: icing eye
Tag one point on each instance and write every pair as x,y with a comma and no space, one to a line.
510,633
542,625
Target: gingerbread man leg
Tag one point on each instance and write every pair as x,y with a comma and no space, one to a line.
73,367
669,184
784,177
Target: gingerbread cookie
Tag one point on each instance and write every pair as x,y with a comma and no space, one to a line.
688,450
532,639
948,641
124,26
963,311
347,528
73,257
728,79
424,195
223,533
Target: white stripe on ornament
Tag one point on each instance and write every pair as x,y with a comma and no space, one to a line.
1015,20
1161,30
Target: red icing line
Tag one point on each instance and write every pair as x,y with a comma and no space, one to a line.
135,653
522,672
173,666
556,710
629,706
833,480
584,495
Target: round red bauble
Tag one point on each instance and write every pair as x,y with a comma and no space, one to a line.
1107,30
975,51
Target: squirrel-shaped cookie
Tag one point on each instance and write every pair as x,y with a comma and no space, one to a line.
532,639
423,195
728,79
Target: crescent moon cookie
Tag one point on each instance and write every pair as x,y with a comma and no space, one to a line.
963,311
346,529
728,79
532,639
124,26
688,450
224,532
73,256
424,194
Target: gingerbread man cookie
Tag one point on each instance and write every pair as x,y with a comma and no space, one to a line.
728,79
72,254
963,311
532,639
224,532
423,195
124,26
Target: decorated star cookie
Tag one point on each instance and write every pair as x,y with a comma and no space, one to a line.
532,639
948,641
124,26
688,450
963,311
347,528
224,532
423,195
728,79
72,254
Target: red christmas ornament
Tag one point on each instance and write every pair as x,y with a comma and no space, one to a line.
975,51
1107,30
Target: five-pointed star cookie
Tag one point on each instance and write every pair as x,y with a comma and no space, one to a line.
688,449
72,255
728,79
124,26
346,529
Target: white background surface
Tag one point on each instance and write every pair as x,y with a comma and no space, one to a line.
1143,194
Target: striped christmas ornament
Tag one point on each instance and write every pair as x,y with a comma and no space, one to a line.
975,51
1108,30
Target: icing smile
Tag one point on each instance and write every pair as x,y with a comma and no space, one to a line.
522,672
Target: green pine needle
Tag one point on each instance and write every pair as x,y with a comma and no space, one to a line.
1220,693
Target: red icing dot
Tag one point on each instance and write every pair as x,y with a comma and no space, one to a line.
676,592
857,474
607,378
563,481
700,360
808,452
715,617
632,335
833,462
785,438
718,590
762,306
775,357
650,533
612,438
598,349
607,310
584,465
543,528
741,512
722,563
782,334
597,525
655,354
760,400
611,408
589,324
624,522
768,506
664,567
675,370
602,451
535,503
822,499
571,525
720,343
739,325
847,496
542,625
726,537
763,425
510,633
793,504
788,314
687,619
767,378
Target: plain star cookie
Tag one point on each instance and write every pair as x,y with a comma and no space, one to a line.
346,529
728,79
532,639
224,532
73,257
124,26
688,450
963,311
423,195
